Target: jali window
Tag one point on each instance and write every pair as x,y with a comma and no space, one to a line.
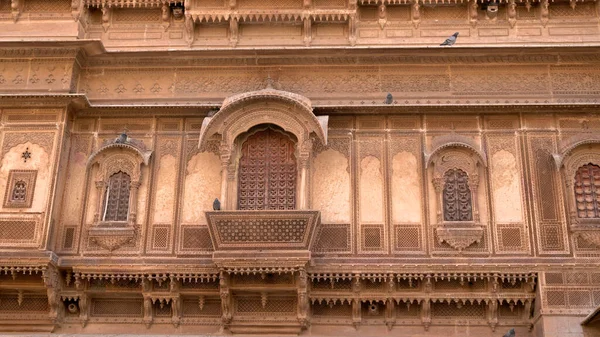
267,172
587,186
19,192
116,205
19,188
457,196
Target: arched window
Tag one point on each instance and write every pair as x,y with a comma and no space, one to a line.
267,172
587,188
457,196
19,192
116,205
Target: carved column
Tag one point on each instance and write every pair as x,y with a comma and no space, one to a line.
304,156
426,313
303,303
382,10
75,9
148,315
226,300
390,313
415,12
52,282
84,308
233,32
101,187
225,157
438,184
106,14
544,12
166,15
474,200
175,301
15,7
352,29
512,13
493,314
356,303
307,31
426,304
572,202
303,195
473,13
390,306
189,29
133,192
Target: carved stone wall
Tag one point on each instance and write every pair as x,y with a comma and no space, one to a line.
380,256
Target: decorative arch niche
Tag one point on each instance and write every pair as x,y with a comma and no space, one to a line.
579,152
240,113
450,159
121,156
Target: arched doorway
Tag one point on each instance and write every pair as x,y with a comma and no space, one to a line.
267,176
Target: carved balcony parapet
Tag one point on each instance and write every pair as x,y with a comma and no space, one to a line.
112,238
589,233
128,3
459,236
262,239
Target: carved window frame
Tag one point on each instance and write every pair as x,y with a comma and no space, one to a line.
29,177
466,161
110,160
571,164
458,234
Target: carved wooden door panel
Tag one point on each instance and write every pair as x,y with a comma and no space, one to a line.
267,172
587,184
117,199
457,196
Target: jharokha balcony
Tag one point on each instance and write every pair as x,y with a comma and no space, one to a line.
262,238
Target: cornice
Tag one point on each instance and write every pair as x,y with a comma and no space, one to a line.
42,100
392,55
50,49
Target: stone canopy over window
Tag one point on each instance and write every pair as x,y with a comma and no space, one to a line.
240,113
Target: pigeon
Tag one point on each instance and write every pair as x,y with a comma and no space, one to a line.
451,40
216,205
389,99
510,333
121,139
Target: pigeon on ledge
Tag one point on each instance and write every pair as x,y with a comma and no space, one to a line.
510,333
451,40
216,205
389,99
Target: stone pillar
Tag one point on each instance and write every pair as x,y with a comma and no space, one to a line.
101,187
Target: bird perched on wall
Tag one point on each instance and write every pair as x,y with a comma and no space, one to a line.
510,333
389,99
451,40
121,139
216,205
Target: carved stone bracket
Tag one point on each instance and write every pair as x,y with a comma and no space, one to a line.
459,238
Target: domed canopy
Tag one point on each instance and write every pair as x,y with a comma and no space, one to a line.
239,113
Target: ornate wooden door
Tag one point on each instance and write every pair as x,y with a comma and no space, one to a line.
267,172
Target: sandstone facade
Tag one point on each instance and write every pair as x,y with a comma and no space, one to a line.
370,182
